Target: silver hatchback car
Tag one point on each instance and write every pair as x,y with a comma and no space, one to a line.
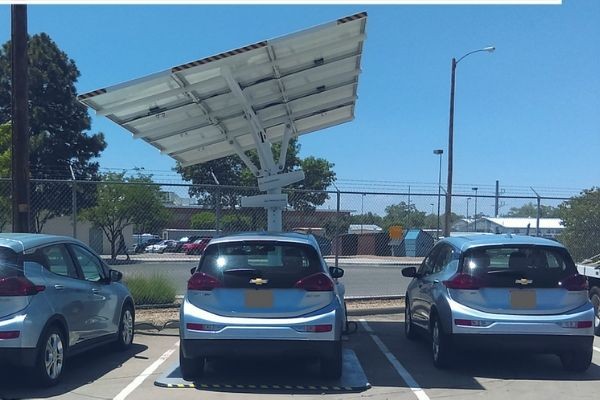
501,292
57,298
261,294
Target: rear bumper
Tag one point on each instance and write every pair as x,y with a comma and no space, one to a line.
257,348
524,343
22,357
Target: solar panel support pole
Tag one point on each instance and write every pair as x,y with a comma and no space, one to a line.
268,166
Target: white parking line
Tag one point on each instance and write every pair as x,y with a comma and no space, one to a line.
408,379
597,349
147,372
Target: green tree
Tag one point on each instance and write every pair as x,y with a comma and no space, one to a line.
59,126
367,219
5,169
236,223
122,202
337,226
203,220
529,210
581,217
405,215
232,171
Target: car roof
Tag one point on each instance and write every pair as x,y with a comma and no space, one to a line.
20,242
293,237
465,243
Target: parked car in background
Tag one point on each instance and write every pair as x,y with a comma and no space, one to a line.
197,246
184,240
57,298
501,292
141,247
262,294
162,246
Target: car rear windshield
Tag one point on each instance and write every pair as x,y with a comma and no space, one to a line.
277,264
510,266
10,263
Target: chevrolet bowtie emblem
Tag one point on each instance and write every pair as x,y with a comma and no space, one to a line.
524,281
259,281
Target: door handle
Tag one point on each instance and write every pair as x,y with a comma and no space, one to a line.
95,291
59,287
436,281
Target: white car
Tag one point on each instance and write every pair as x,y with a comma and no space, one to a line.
161,246
263,294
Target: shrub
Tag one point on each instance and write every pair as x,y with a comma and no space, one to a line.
156,289
203,220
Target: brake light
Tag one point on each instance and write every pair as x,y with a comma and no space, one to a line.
318,282
464,281
574,282
576,324
204,327
202,281
19,286
472,322
9,335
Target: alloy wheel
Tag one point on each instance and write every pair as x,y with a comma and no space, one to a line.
54,356
435,340
127,333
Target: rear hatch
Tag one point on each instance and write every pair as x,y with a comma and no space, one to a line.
12,279
260,279
532,280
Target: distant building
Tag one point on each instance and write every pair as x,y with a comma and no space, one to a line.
364,228
549,227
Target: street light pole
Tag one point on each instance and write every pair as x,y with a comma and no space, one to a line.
475,216
468,199
439,152
451,139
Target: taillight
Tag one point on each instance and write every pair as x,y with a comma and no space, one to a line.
472,322
202,281
314,328
574,282
204,327
576,324
318,282
464,281
18,286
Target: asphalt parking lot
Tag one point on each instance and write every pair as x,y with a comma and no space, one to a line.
395,369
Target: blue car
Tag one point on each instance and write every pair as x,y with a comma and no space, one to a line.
501,292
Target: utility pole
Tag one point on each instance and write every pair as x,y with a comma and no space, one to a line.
20,121
496,204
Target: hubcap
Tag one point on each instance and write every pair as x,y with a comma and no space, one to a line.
53,356
407,321
435,340
127,333
596,303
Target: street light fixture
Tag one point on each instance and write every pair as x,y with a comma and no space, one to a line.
475,216
488,49
439,152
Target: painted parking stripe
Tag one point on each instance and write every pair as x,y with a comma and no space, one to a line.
404,374
147,372
597,349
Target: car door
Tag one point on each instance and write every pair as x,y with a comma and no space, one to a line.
102,300
65,291
432,281
416,292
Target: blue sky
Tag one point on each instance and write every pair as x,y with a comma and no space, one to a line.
528,114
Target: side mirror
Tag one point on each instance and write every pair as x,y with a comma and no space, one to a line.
115,276
410,272
192,271
336,272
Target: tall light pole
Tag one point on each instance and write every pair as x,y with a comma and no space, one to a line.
475,216
468,199
451,138
439,152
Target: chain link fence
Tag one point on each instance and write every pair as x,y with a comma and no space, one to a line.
116,218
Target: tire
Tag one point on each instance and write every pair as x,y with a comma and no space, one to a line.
126,328
440,344
577,360
50,363
409,327
595,298
191,368
331,367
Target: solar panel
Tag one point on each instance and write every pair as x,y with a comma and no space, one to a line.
305,81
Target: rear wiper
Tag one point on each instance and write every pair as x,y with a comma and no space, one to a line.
244,272
513,272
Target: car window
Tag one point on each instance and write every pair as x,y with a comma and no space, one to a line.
56,259
442,259
281,264
91,267
426,267
503,266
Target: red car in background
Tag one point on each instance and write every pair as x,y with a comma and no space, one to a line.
197,246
